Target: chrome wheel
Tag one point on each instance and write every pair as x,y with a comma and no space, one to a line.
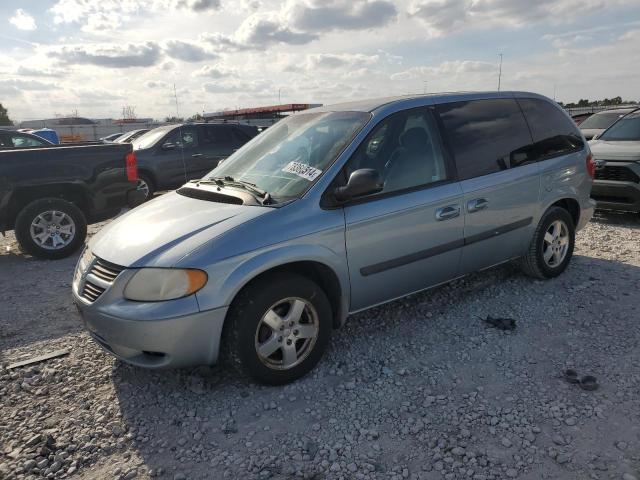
143,187
287,333
556,243
53,230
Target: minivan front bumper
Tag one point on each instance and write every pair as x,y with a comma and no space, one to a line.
169,343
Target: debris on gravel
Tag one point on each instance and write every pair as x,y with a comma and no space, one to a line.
416,389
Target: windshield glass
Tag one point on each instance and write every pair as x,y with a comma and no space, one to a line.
150,138
601,120
286,158
628,128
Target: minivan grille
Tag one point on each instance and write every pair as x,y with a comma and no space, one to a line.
616,173
91,292
105,271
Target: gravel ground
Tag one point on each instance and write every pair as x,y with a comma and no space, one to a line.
419,388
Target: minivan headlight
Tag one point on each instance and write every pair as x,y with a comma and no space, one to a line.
158,284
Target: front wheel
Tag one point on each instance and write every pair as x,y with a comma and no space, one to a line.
50,228
551,247
278,329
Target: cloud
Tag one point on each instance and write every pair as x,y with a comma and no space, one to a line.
443,16
25,84
215,71
332,60
300,23
447,69
109,55
25,71
254,87
23,21
156,84
187,51
319,15
198,5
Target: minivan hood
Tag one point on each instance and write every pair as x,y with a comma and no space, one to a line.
625,151
161,232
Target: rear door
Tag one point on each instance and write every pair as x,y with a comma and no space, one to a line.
499,177
218,142
409,236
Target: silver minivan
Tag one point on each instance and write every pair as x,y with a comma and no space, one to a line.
330,212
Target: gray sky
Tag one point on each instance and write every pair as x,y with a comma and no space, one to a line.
95,56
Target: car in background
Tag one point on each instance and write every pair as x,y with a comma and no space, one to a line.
580,117
14,139
111,138
599,122
171,155
131,136
329,212
617,154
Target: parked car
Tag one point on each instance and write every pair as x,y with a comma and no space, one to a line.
169,156
49,194
599,122
330,212
13,139
131,136
617,154
111,138
580,117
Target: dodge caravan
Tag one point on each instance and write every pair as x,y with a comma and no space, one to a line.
330,212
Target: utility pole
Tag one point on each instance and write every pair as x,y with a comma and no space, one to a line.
279,98
424,86
175,95
500,72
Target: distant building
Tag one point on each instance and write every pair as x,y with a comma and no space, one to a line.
259,116
80,129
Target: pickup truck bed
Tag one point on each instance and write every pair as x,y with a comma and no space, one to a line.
86,183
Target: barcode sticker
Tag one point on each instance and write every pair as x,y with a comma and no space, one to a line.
302,170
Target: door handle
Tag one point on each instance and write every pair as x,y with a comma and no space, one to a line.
477,204
196,155
445,213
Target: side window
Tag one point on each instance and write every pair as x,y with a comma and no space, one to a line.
183,137
405,148
553,133
25,142
218,135
486,136
240,137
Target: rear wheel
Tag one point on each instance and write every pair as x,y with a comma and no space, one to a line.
278,329
146,186
50,228
552,245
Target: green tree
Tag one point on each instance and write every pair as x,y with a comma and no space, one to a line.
4,117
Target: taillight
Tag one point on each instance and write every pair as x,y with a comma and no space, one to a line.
132,166
591,166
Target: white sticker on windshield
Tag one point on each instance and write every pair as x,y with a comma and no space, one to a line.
302,170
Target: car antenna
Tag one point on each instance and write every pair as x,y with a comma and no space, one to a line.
184,164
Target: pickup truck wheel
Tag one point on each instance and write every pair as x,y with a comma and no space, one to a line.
145,185
50,228
278,328
552,245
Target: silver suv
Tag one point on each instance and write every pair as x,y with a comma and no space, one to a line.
330,212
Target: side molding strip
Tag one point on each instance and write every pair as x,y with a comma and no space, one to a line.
440,249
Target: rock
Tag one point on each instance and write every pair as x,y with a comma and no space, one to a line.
506,443
628,476
571,421
29,465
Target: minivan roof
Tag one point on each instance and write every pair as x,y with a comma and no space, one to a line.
369,105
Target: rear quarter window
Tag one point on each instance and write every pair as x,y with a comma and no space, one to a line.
553,132
486,136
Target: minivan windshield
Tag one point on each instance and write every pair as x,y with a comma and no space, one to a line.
626,129
288,157
151,137
601,120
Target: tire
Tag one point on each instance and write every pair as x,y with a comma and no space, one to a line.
50,214
146,184
246,330
535,263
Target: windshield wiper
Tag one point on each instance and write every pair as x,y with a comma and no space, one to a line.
262,195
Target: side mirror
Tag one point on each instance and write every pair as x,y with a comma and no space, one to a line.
364,181
168,146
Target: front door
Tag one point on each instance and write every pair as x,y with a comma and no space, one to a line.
409,236
499,176
176,154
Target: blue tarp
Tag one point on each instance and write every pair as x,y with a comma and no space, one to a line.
47,134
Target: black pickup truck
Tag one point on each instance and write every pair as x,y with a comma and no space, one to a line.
49,194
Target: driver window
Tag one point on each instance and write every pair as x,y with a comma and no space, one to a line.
24,141
405,149
183,138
